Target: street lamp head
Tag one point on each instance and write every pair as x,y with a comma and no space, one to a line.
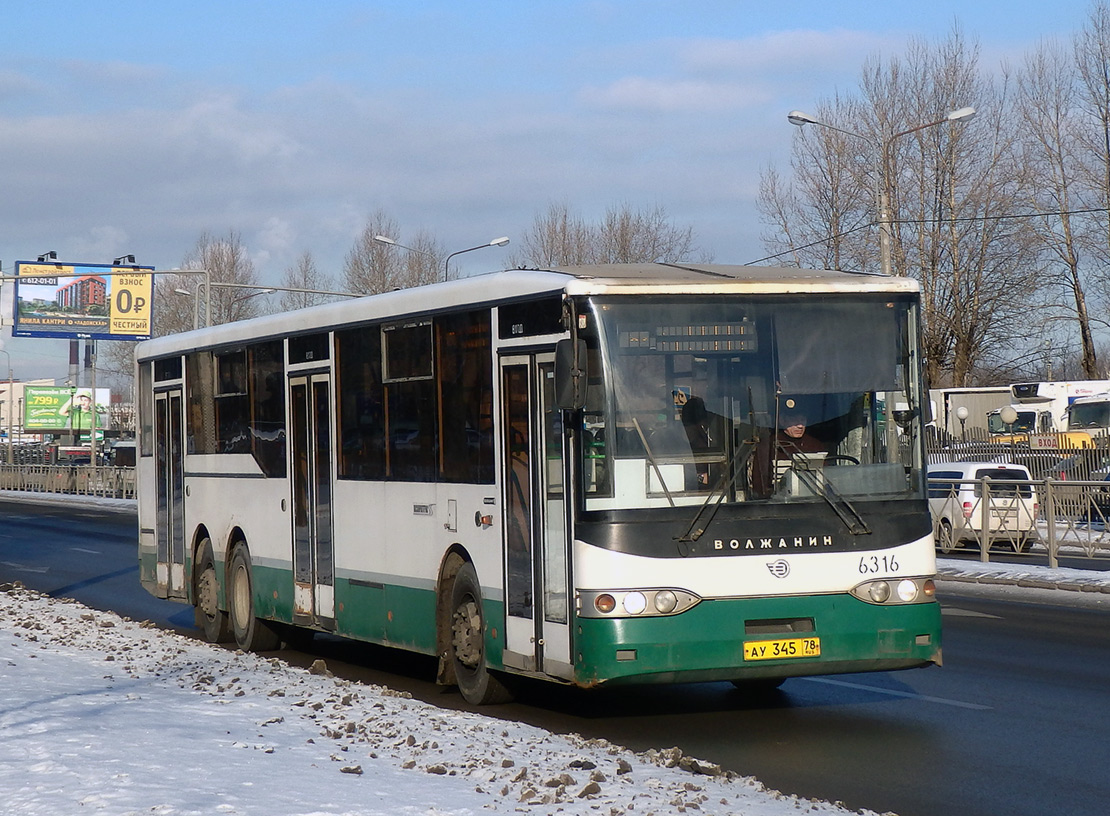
381,239
798,118
183,292
499,241
963,113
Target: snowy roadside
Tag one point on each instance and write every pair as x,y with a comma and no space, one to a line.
109,715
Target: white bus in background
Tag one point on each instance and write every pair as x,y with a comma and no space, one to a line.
568,475
1042,407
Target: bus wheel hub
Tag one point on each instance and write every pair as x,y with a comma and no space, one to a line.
467,634
207,593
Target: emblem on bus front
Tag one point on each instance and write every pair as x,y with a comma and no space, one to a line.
779,569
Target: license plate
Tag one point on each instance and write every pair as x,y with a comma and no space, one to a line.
780,649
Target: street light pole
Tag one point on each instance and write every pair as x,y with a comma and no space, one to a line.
883,146
383,239
502,241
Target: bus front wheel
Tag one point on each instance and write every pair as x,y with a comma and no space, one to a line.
206,594
251,634
476,682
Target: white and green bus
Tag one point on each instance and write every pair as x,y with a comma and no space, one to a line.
574,474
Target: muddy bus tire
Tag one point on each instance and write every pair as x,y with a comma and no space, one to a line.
477,684
210,619
251,634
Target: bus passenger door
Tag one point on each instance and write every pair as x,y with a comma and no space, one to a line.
537,629
313,548
169,459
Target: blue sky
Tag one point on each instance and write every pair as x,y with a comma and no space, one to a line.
133,127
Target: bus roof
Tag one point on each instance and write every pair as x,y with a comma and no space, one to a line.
515,284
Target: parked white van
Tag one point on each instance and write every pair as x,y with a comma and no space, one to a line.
960,515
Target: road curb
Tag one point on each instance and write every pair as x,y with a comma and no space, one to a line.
1024,580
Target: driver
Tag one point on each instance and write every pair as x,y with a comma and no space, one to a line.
792,437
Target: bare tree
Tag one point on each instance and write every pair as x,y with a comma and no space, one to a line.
373,267
824,217
304,275
227,262
1092,59
1053,159
556,238
945,184
559,237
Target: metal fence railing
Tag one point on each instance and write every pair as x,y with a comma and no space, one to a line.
1069,482
1055,517
83,480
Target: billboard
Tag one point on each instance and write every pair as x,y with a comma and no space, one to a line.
97,301
61,409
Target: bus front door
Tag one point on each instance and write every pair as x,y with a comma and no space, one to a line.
170,532
537,628
313,547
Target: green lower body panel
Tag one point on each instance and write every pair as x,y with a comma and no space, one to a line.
387,614
706,643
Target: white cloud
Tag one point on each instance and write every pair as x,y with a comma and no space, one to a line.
673,96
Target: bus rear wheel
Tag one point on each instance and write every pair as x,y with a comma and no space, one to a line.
251,634
212,620
477,683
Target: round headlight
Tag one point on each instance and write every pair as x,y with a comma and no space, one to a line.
907,590
635,603
605,603
879,591
930,588
666,602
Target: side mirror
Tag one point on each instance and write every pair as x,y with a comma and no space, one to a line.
570,374
904,416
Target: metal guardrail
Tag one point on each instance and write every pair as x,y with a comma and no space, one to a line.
1069,516
81,480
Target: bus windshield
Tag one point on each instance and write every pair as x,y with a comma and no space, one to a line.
748,398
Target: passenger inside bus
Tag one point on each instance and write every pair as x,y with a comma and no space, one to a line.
707,434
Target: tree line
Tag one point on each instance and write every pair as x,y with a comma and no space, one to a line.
558,236
1004,219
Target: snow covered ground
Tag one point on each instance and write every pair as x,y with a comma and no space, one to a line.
103,715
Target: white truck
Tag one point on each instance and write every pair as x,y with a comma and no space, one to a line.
976,405
1043,407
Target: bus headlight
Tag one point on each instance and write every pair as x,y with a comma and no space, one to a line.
907,591
879,591
665,602
627,603
635,603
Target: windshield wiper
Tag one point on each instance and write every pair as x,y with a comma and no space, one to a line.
843,508
735,465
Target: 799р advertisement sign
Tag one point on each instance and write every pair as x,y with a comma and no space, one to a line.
96,301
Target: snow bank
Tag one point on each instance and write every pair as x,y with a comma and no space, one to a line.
101,714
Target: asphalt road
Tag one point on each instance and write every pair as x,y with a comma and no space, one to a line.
1014,723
